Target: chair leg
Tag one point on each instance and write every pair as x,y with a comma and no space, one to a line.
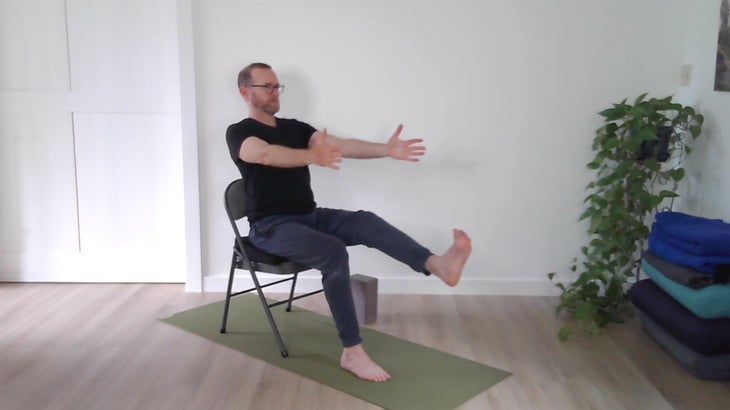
228,293
291,292
269,316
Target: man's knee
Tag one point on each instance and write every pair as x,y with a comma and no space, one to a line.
368,218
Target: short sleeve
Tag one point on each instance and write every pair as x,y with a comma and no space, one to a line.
235,135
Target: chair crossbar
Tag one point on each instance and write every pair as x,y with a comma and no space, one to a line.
262,286
281,302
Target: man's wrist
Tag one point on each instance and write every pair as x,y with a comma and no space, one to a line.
308,156
386,151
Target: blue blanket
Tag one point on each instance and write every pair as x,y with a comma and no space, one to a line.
678,256
693,234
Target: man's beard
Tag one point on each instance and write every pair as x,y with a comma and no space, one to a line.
271,108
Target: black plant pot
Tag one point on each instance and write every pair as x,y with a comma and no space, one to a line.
658,148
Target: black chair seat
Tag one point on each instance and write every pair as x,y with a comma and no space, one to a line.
257,255
266,262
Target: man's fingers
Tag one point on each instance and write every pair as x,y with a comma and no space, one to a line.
334,161
399,129
332,156
397,132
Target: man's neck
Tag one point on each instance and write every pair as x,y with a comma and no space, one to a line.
263,118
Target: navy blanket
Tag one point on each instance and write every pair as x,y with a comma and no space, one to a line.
707,336
693,234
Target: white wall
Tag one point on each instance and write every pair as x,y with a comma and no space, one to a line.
504,92
91,181
707,189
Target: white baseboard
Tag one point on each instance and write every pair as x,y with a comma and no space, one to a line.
307,282
399,285
89,277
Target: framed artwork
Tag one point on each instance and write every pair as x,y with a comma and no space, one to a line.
722,69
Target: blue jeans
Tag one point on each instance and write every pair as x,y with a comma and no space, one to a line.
319,239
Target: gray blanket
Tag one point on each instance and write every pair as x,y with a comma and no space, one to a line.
683,275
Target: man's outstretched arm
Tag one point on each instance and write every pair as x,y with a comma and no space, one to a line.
254,150
396,148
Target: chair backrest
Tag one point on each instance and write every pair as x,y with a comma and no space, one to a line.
234,199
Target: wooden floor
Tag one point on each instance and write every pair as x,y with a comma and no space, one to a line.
92,346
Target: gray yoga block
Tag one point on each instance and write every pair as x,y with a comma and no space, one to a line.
365,295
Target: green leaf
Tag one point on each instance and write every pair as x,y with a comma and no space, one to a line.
611,114
647,134
587,310
610,143
639,111
636,188
593,328
564,333
611,128
551,275
602,155
677,174
695,130
614,290
623,167
667,194
640,98
663,101
654,202
587,214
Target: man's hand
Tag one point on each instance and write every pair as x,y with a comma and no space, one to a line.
323,153
407,150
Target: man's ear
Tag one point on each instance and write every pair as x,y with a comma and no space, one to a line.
244,92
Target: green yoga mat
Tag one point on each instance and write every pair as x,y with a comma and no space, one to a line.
422,378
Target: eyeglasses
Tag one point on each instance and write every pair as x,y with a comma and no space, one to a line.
269,87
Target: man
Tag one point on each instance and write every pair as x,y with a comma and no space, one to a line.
273,155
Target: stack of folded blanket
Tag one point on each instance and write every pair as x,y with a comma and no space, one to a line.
685,303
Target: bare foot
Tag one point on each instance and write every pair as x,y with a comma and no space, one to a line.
449,266
355,360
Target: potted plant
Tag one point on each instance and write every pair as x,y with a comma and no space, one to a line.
632,179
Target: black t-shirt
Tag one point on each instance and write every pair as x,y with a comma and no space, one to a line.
272,190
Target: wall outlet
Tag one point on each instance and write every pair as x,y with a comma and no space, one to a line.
686,76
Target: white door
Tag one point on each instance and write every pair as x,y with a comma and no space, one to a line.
91,173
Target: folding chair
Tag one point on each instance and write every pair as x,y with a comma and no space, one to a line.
247,256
